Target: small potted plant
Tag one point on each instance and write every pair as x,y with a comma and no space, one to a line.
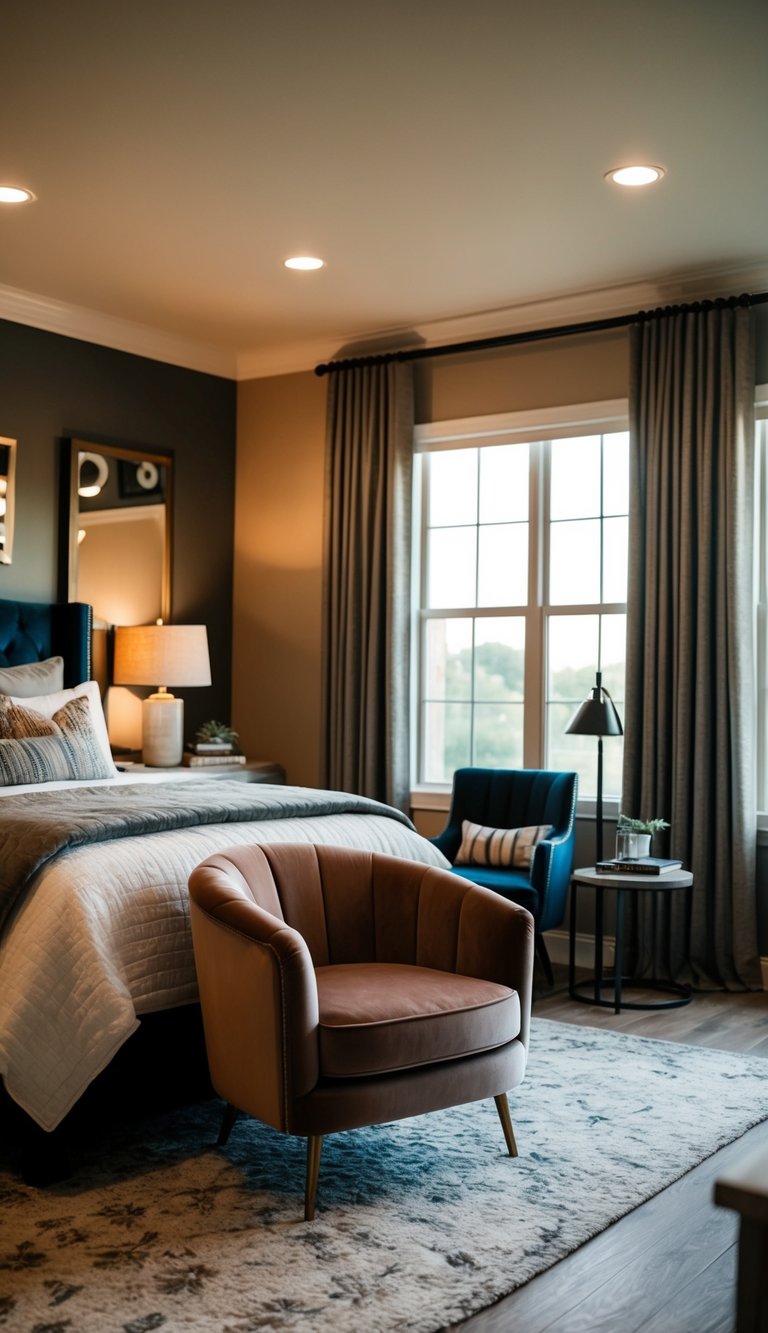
633,836
215,738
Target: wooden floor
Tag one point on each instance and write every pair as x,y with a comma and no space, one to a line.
669,1266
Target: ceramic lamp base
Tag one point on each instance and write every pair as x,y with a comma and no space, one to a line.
163,730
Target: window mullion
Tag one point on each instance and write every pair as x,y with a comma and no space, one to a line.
533,715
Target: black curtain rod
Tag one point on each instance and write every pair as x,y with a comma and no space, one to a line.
539,335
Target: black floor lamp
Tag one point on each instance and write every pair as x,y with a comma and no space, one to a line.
597,716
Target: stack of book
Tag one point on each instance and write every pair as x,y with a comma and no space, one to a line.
639,865
203,753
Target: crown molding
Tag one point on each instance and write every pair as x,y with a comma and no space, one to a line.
72,321
286,358
595,303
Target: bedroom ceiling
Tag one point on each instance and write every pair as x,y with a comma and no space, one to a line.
445,158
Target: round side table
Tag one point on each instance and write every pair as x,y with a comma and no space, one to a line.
661,887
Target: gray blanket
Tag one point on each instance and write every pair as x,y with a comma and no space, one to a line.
35,826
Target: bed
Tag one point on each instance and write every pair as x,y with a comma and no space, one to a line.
95,933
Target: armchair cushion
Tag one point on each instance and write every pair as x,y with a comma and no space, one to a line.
482,846
380,1017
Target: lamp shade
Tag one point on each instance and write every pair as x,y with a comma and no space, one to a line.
597,716
161,655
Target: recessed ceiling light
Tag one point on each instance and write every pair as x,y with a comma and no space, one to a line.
636,175
15,194
305,262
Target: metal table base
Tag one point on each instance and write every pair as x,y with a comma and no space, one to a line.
591,989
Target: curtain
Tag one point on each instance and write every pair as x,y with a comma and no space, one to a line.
690,723
366,605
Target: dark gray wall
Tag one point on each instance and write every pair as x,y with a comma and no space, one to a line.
53,387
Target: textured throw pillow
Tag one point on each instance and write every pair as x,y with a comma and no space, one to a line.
65,746
17,722
51,758
513,847
49,705
33,678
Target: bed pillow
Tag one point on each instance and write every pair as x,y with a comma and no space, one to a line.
33,678
18,723
502,847
51,758
50,704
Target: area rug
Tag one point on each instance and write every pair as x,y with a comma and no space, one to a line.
419,1223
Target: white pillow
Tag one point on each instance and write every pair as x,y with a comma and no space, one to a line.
48,704
33,678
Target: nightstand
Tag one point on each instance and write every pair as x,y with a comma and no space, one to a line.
661,888
254,770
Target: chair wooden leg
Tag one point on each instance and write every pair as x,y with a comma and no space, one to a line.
502,1106
314,1149
544,959
230,1116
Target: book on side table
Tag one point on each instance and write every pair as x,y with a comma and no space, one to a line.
193,759
639,865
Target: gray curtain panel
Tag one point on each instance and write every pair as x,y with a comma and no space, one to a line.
366,605
689,751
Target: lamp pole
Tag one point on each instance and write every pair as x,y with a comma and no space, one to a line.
597,716
599,808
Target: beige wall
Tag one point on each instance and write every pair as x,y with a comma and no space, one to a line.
278,517
549,374
277,572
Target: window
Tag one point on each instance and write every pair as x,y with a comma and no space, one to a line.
522,589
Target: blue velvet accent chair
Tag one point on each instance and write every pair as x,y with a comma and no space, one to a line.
519,798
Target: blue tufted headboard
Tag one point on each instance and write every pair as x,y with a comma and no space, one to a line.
32,631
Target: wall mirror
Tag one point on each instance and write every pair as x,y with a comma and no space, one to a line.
7,497
116,532
115,552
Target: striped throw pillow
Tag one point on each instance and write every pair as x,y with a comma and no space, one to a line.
513,847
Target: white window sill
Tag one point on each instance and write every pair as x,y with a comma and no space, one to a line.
439,798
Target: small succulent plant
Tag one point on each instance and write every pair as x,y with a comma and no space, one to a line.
213,731
627,825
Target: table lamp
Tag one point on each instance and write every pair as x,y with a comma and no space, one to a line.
175,654
597,716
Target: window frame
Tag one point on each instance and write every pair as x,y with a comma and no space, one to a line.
537,427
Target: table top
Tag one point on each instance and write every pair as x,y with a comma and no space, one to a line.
670,879
253,770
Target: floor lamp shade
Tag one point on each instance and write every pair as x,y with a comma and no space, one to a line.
597,716
162,655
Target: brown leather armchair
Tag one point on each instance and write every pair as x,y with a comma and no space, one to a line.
342,988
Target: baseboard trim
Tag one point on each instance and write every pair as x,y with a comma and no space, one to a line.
558,946
558,942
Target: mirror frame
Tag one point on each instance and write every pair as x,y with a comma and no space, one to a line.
70,513
6,554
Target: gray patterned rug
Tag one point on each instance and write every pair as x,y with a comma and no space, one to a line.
419,1223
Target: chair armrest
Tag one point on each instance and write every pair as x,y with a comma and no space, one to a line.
496,942
550,876
259,999
448,842
471,930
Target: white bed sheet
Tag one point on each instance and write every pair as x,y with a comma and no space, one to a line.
103,936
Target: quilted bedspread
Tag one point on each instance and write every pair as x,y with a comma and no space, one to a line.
101,934
32,830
